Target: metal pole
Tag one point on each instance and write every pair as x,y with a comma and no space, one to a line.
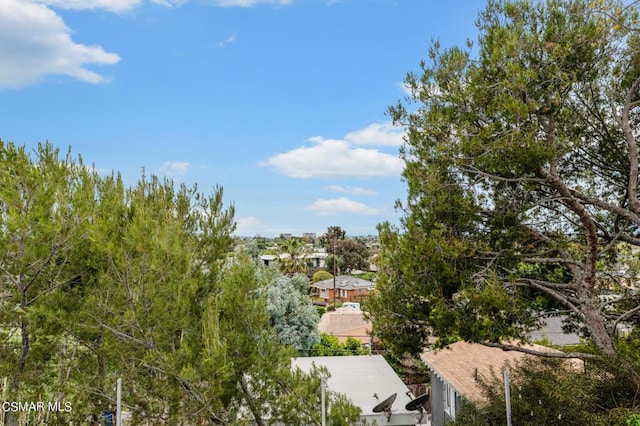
119,403
334,275
324,412
507,396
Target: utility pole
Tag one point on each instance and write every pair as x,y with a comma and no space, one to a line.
119,402
323,385
507,395
335,261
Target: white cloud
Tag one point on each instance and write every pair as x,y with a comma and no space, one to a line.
404,87
249,3
109,5
329,158
377,134
351,190
348,157
336,206
35,42
174,169
170,3
227,40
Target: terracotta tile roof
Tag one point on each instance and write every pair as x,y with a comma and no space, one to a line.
345,322
360,333
460,363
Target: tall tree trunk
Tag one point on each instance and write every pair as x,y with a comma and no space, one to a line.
593,321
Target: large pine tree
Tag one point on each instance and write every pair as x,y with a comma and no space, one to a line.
522,170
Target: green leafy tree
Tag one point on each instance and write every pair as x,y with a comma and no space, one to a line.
340,410
369,276
292,314
257,374
329,238
243,343
292,258
549,392
352,254
330,345
522,171
100,281
156,253
321,275
334,264
44,212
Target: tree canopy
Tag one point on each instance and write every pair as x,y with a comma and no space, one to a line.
347,254
333,234
100,281
293,315
522,170
547,391
293,256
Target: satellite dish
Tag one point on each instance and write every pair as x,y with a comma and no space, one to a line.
417,404
385,406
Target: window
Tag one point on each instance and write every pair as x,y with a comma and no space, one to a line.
324,293
449,395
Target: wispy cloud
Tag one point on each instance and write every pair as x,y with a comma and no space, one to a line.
228,40
351,190
322,207
250,3
108,5
170,3
174,169
339,158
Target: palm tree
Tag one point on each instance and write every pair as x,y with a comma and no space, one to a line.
292,259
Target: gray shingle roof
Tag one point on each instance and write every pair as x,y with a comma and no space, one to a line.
362,377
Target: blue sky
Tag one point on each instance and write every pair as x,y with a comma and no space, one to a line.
281,102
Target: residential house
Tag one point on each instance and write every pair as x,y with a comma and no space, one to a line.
551,332
366,380
455,371
268,259
347,289
313,260
316,259
346,322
